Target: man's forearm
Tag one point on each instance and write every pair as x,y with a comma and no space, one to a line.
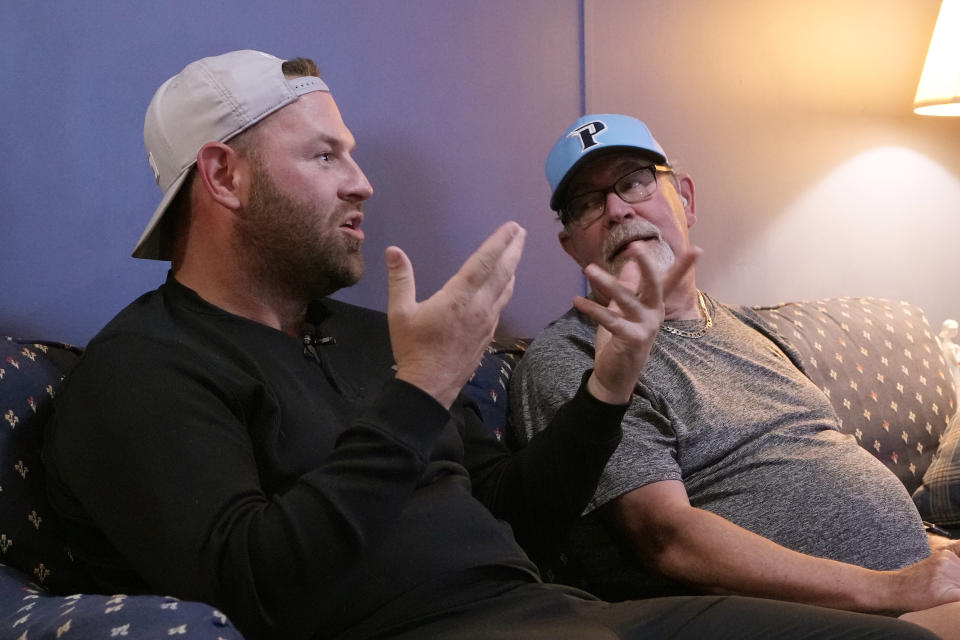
702,548
541,489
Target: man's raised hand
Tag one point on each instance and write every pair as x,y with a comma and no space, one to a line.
438,343
628,325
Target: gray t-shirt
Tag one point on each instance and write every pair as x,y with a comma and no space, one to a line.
750,436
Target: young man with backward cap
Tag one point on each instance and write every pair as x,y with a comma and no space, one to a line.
305,465
731,475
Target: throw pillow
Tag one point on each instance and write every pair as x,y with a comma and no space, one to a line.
938,498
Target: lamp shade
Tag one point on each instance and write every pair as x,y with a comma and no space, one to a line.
938,93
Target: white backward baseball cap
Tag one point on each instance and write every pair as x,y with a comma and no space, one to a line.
211,100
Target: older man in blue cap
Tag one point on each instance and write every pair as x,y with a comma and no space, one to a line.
731,474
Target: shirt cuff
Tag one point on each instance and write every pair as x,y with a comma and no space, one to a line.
407,414
592,420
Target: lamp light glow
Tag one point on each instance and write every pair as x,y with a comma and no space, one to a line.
938,93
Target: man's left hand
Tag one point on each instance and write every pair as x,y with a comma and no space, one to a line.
628,325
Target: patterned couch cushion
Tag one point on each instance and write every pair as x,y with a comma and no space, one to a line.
39,562
938,498
488,385
29,613
879,364
29,377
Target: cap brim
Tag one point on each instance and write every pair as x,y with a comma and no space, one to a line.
154,242
592,155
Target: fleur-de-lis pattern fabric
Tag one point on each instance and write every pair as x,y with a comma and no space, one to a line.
34,563
30,613
488,385
879,363
30,373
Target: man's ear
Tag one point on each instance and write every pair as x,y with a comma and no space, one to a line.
687,199
223,174
566,241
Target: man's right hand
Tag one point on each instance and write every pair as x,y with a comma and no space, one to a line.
933,581
628,325
438,343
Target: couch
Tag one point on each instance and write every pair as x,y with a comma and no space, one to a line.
877,360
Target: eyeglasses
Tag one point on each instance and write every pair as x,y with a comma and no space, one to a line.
638,185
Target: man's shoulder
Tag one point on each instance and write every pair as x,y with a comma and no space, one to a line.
746,315
571,324
144,316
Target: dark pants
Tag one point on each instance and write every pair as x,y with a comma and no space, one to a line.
539,612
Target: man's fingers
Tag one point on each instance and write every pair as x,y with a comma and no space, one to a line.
504,296
607,317
630,275
496,260
651,286
620,291
401,287
592,309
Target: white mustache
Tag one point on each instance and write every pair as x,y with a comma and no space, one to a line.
636,228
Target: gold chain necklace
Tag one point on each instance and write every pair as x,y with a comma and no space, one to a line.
699,332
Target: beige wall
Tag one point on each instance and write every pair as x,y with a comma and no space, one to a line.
814,178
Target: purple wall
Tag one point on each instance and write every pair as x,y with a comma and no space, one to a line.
454,106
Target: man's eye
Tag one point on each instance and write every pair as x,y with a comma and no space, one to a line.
584,203
325,156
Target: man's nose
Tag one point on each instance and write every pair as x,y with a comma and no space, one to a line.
356,187
616,210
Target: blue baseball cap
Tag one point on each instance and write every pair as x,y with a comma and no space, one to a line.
590,134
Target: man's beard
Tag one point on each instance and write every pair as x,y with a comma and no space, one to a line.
293,248
660,254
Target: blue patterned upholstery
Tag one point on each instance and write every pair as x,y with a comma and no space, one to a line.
488,385
29,376
35,565
30,613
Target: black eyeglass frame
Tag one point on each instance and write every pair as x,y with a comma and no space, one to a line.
616,187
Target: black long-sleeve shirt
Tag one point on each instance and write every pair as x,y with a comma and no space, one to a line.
203,455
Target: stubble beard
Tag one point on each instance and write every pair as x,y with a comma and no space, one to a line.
291,247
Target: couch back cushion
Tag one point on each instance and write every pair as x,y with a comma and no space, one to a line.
30,374
880,365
